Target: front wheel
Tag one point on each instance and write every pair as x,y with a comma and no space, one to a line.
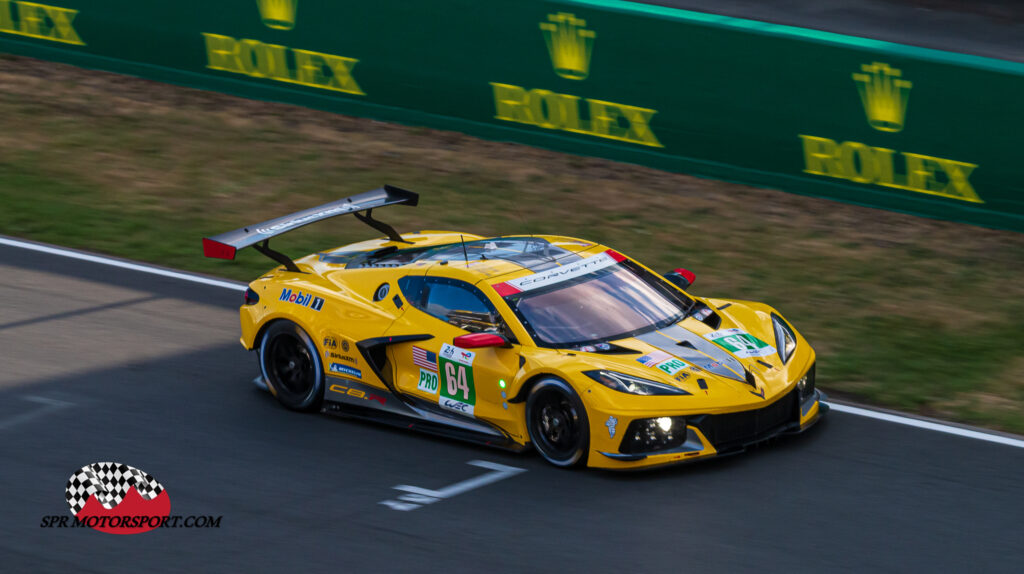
291,366
557,423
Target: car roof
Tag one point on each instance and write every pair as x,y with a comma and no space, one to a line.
464,256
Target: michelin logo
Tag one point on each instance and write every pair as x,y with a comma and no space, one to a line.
346,370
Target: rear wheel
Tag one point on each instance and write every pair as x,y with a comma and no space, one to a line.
291,366
557,423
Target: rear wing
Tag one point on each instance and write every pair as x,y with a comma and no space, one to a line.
257,236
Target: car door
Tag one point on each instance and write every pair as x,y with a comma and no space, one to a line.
464,382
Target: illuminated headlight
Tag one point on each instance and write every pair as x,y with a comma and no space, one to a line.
785,340
633,385
805,386
652,435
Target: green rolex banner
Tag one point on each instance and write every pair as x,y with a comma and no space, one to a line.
810,112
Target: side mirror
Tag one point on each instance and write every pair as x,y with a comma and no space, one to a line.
478,340
681,278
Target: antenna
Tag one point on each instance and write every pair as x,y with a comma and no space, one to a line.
464,253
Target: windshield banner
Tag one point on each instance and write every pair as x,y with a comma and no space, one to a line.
559,274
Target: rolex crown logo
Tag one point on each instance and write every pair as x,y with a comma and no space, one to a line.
569,45
884,95
278,14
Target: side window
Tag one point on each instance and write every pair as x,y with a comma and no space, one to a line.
452,301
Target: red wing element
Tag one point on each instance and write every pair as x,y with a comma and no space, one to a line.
217,250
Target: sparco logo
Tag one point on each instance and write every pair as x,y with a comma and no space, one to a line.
117,498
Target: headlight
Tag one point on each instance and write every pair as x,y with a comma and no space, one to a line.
633,385
785,340
805,386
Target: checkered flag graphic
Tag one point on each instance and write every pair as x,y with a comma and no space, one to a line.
110,482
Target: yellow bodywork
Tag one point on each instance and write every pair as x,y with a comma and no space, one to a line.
350,314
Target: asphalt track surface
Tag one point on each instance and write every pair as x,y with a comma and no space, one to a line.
993,28
106,364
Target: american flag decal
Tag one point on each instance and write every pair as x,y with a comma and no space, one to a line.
424,358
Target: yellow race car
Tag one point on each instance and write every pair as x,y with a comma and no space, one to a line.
557,343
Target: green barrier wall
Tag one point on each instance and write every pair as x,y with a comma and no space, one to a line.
862,121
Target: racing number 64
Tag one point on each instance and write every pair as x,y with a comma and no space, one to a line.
455,378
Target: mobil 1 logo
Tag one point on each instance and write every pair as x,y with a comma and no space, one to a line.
455,367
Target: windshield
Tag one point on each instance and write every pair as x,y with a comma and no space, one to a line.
616,302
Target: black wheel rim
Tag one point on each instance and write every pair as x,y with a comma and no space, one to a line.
556,425
291,366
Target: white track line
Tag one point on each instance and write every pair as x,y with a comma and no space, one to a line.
927,425
848,409
122,264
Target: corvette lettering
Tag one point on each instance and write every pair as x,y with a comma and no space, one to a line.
564,273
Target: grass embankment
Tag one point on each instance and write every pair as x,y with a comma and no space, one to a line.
910,313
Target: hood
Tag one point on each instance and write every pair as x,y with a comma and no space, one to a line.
731,362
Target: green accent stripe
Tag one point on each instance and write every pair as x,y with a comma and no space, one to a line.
810,34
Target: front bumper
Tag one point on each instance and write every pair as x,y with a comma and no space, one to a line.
716,435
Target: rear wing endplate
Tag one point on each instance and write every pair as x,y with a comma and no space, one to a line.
225,245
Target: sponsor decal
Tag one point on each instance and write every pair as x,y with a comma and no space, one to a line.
653,358
302,299
40,21
424,358
346,370
357,393
610,423
453,353
330,342
428,381
457,391
672,366
457,406
884,94
298,221
741,344
344,345
272,61
333,355
702,314
570,45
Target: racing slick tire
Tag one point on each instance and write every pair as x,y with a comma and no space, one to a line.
291,366
557,422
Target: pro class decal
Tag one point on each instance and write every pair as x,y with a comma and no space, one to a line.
663,361
428,381
457,392
740,343
557,275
